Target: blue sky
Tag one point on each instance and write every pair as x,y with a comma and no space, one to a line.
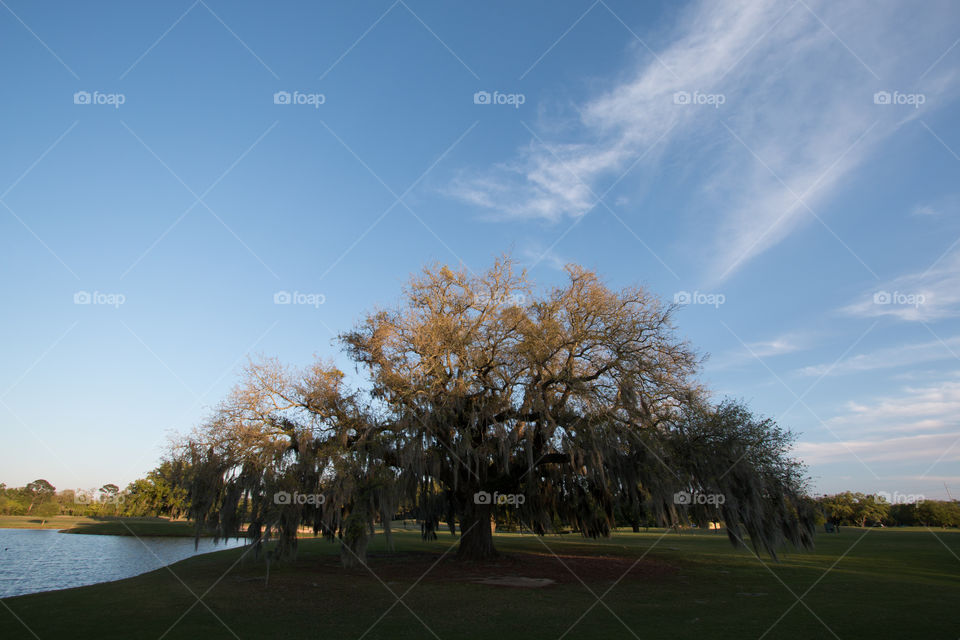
790,169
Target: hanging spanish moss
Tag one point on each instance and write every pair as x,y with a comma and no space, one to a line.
570,408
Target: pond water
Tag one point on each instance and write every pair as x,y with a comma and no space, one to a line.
42,560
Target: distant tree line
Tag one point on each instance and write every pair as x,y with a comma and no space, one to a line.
162,492
864,510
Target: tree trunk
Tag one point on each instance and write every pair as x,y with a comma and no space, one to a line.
353,544
476,541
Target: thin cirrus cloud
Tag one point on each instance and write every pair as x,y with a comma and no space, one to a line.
929,407
917,448
778,346
926,296
900,356
783,344
798,116
948,204
922,420
536,254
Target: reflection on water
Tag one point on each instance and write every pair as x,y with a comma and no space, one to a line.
35,560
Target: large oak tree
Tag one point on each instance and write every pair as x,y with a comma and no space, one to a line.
564,406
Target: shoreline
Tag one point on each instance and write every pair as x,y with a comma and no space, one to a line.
84,525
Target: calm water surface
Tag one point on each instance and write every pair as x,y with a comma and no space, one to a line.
41,560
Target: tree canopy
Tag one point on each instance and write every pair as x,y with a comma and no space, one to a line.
38,491
563,407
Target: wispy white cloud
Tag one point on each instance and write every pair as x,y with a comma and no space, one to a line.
537,254
949,204
924,296
890,357
912,448
918,424
798,117
916,408
786,343
915,375
779,345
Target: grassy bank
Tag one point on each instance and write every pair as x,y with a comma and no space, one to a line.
859,584
135,527
34,522
102,526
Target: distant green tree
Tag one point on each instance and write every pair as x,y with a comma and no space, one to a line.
109,499
170,481
868,509
837,508
952,512
161,493
110,490
47,509
930,513
935,513
139,498
903,515
38,491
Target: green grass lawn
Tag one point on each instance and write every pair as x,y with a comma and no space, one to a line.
878,583
135,526
38,522
104,526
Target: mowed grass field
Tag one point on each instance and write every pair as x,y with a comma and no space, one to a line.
39,522
103,526
876,583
